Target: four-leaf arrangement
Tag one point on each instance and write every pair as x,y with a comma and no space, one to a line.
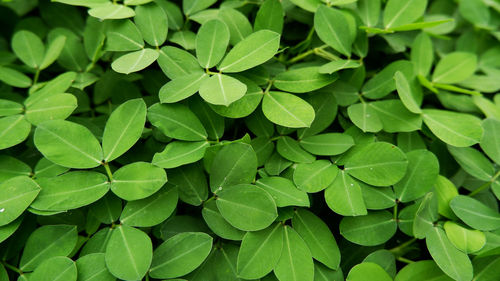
292,140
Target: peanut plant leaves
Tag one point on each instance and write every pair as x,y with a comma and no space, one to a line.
136,61
152,22
57,269
137,180
17,194
111,11
176,121
29,48
295,252
397,13
180,153
474,213
14,129
454,68
211,42
372,229
222,89
332,28
287,110
302,80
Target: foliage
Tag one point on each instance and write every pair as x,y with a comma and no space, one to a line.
292,140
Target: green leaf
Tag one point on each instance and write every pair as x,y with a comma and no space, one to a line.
332,27
385,259
235,163
454,67
93,267
474,213
337,65
212,40
291,150
6,231
191,183
111,11
296,261
408,92
454,263
378,163
14,78
70,191
365,117
222,89
152,210
176,121
135,61
318,238
218,224
28,48
129,253
137,180
58,85
192,6
420,177
175,62
421,270
397,13
180,254
123,35
383,83
245,105
372,229
284,192
246,55
344,196
302,80
315,176
182,87
123,128
287,110
179,153
270,16
445,191
46,242
260,251
237,22
362,270
152,22
488,143
425,216
328,144
14,129
369,11
68,144
473,162
395,117
246,207
422,54
57,269
476,12
58,106
53,51
466,240
457,129
17,194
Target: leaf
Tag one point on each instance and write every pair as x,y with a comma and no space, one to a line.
365,117
68,144
175,62
348,191
337,65
246,207
383,83
152,22
488,143
397,13
422,54
318,238
137,181
410,95
180,254
291,150
425,216
473,162
303,80
218,224
332,28
14,129
129,253
53,51
245,105
222,89
70,191
369,230
179,153
123,35
60,84
152,210
59,106
385,259
457,129
235,163
378,164
454,67
270,16
47,242
395,117
369,11
28,48
260,251
17,194
14,78
362,270
191,183
111,11
176,121
296,261
445,191
421,175
246,55
283,191
192,6
212,40
327,144
12,167
474,213
135,61
181,87
454,263
56,269
287,110
315,176
466,240
93,266
6,231
123,128
237,22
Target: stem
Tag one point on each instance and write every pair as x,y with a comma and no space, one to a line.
13,268
325,54
485,185
398,251
108,171
456,89
307,53
405,260
395,211
37,74
275,138
268,87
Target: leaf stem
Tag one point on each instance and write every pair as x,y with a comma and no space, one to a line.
13,268
108,171
395,211
485,185
307,53
405,260
37,74
398,251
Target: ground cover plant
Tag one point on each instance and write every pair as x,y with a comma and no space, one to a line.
293,140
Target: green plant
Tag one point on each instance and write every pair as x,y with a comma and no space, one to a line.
265,140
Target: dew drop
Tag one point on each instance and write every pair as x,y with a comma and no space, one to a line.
2,210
